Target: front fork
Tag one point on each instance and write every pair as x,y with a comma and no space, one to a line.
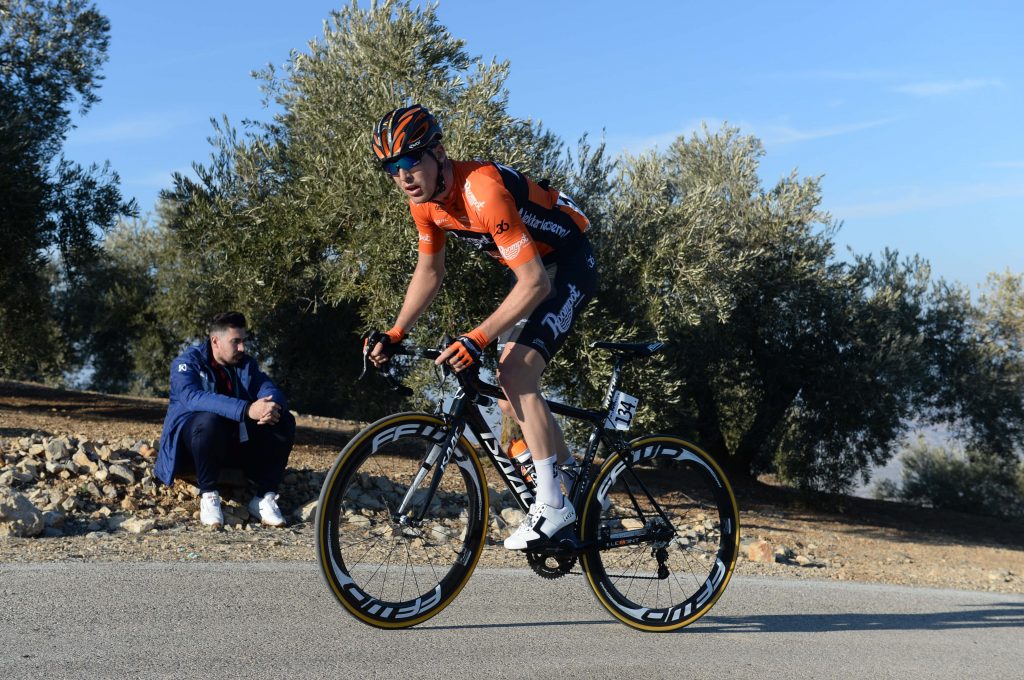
437,459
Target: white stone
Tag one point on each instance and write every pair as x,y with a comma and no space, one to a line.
760,551
83,462
783,554
56,450
137,525
18,517
369,502
123,473
513,516
27,467
307,512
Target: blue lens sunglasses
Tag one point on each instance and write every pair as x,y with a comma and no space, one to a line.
406,162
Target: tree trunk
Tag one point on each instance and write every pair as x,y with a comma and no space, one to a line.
709,424
755,441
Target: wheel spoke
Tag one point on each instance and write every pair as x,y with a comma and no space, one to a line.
674,499
399,562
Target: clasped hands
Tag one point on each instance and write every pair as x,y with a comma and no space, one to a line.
265,411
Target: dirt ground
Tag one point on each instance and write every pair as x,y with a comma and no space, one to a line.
841,537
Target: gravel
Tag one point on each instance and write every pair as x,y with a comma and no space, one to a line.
84,461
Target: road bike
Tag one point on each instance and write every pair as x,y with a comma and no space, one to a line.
403,514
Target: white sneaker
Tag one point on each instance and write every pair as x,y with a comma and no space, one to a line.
265,507
210,513
541,523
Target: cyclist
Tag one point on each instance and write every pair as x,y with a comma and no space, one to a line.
540,234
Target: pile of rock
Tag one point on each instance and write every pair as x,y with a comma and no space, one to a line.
54,486
761,550
68,485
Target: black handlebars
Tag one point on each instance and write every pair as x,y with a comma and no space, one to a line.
480,392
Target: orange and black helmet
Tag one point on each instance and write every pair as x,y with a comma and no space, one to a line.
407,129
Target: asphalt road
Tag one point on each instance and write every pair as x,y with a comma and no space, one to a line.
188,620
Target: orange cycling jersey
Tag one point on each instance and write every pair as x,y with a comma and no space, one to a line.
502,212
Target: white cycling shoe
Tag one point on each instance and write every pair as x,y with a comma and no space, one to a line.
541,523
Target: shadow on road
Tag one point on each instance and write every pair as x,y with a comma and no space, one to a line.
1000,615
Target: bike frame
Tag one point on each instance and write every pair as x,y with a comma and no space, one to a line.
464,412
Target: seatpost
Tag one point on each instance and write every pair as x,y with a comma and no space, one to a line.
614,383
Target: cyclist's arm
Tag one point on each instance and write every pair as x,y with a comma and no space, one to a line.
426,281
496,209
531,288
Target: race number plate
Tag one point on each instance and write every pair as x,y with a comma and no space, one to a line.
623,410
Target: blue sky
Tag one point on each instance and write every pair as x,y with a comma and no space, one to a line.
911,110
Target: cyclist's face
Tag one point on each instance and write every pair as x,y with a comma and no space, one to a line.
419,181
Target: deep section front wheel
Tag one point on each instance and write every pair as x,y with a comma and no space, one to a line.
664,523
401,521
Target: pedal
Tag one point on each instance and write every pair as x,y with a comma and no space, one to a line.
565,538
563,542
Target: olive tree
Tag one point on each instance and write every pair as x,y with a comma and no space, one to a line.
52,210
780,356
293,222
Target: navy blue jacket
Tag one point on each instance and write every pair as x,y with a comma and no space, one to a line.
194,388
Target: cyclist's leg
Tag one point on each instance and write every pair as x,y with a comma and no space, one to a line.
573,283
561,448
519,371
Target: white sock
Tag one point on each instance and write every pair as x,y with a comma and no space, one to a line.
549,491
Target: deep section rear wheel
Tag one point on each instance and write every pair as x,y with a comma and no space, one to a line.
666,544
392,557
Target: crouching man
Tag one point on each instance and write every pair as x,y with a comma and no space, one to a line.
225,412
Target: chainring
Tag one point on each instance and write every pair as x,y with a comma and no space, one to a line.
550,566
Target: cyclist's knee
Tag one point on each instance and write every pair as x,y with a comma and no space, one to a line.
509,385
521,362
515,382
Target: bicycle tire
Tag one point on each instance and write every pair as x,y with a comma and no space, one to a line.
699,544
387,573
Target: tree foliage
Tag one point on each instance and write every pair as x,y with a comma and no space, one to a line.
130,340
294,223
971,482
781,357
978,385
50,208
